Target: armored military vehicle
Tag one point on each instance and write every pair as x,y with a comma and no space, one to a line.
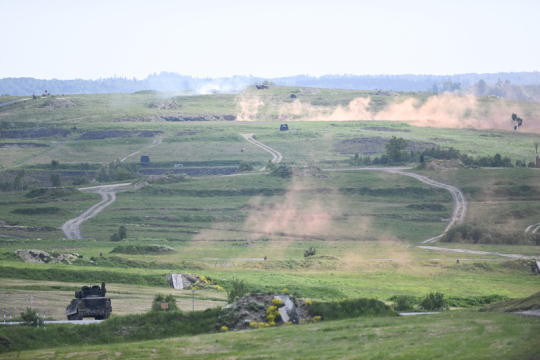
90,302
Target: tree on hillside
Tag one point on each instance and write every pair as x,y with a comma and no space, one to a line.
56,180
395,149
516,121
481,88
536,143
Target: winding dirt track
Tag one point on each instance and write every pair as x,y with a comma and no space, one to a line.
276,155
535,226
155,143
460,202
72,227
463,251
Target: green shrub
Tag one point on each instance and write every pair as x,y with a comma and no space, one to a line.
282,171
236,290
160,299
405,302
352,308
29,317
310,252
434,301
244,166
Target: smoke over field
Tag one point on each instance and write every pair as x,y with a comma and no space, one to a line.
440,111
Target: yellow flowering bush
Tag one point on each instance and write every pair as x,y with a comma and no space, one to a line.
224,328
254,324
308,302
277,302
271,309
317,318
285,290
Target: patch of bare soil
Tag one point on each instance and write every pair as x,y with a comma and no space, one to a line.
43,257
21,145
439,165
186,133
309,91
58,103
372,146
99,135
34,133
163,105
305,171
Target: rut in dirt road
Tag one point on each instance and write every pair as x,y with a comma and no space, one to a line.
276,155
72,227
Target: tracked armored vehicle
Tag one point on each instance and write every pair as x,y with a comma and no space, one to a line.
90,302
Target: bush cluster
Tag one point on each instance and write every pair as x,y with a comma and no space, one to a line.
350,308
160,299
117,171
484,234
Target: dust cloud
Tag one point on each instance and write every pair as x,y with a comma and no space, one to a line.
439,111
248,108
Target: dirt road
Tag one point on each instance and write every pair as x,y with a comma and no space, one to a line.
13,102
460,202
276,155
72,227
530,227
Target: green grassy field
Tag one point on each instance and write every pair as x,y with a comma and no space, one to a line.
365,225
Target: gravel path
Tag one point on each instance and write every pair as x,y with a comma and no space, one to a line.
72,227
13,102
155,143
276,155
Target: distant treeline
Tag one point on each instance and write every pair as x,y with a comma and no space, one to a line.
166,81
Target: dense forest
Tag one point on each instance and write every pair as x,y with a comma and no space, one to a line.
517,85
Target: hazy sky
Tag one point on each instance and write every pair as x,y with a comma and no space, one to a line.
91,39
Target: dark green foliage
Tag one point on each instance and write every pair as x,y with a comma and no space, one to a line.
484,234
120,235
427,207
56,180
236,289
118,329
270,166
51,193
8,256
335,310
161,298
282,172
395,149
405,302
310,252
474,301
434,301
122,232
157,191
54,164
115,237
38,211
117,171
29,316
82,180
357,160
245,166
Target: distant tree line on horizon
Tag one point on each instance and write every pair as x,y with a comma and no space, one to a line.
518,85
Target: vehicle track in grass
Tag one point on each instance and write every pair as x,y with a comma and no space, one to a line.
276,155
72,227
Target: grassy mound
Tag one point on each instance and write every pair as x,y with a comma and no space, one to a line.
530,303
142,250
